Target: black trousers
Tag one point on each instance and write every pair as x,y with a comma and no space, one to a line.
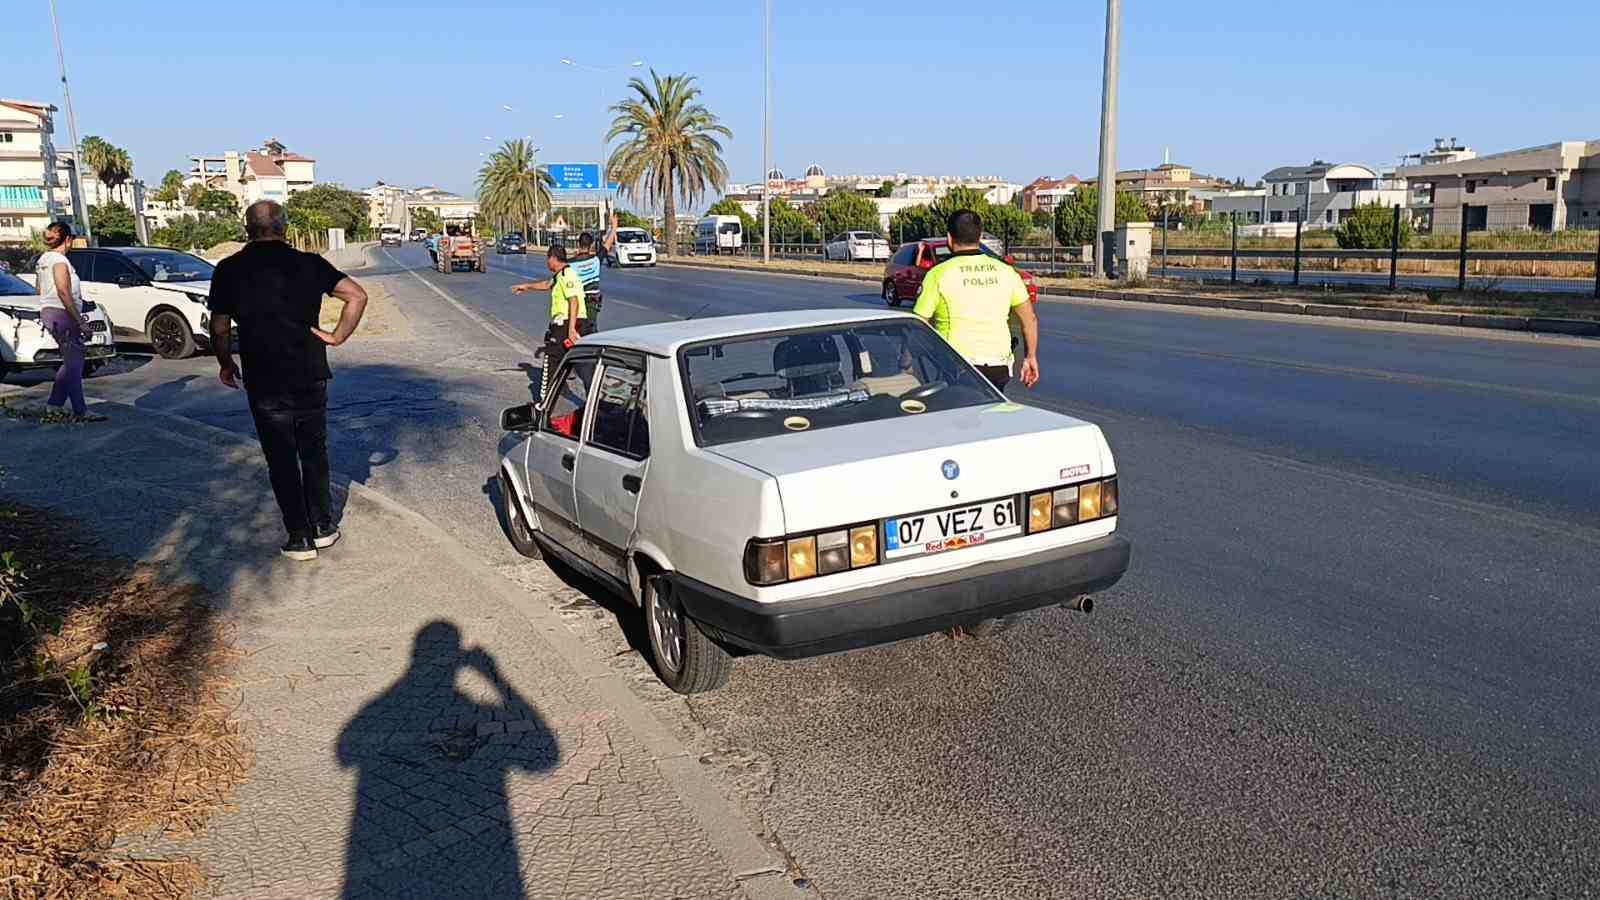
292,424
555,347
999,376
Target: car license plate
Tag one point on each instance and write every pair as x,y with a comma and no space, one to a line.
942,530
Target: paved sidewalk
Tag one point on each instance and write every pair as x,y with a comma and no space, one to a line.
418,733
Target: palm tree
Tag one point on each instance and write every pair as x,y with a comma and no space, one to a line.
512,187
671,150
112,166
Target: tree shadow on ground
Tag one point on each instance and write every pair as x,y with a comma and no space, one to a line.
432,814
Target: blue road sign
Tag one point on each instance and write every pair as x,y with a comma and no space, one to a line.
575,176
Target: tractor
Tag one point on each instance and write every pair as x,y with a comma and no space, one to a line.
460,249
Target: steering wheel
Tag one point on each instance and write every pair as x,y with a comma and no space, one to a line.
925,391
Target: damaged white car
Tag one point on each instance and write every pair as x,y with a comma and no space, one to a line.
800,483
26,344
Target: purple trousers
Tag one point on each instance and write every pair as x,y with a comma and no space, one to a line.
69,378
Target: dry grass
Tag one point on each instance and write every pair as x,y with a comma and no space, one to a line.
383,318
110,724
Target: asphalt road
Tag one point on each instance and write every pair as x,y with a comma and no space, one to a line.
1355,656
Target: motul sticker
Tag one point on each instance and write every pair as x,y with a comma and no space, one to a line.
1075,471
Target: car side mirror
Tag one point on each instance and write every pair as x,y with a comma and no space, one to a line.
127,280
519,418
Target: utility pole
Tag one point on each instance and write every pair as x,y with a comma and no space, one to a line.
767,135
79,209
1108,141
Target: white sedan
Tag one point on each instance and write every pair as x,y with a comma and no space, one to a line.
799,483
856,245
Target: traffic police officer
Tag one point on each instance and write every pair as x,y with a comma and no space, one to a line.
569,314
969,299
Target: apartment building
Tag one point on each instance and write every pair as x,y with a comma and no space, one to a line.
270,173
1170,183
32,193
1048,193
1324,193
1546,188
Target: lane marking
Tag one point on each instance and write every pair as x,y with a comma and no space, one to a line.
460,307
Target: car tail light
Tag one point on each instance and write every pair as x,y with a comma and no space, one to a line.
1072,504
778,560
925,263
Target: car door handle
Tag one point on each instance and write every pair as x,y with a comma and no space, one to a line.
632,483
567,461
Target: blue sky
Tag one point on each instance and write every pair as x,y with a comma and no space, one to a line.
406,91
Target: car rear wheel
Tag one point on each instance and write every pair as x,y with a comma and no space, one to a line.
518,527
890,296
170,336
686,660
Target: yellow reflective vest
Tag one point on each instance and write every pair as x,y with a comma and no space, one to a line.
968,298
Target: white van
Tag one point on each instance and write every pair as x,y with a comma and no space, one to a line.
634,247
390,235
718,234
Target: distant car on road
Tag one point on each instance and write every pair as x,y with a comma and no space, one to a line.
856,245
512,242
634,247
151,293
390,235
869,485
24,342
418,235
902,276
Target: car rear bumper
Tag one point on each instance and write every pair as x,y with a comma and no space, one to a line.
904,609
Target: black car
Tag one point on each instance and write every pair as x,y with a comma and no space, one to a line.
512,243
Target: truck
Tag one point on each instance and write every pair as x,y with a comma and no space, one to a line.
459,249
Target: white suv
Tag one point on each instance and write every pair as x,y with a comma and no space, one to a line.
151,294
24,342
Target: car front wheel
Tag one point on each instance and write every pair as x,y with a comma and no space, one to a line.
518,527
170,336
686,660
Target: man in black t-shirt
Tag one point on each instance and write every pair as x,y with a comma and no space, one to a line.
275,294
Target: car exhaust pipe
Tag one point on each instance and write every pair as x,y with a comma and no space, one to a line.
1084,604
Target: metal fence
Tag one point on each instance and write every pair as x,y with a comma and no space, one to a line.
1459,269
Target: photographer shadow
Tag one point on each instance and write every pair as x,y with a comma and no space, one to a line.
432,815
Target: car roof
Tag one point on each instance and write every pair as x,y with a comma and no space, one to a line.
665,338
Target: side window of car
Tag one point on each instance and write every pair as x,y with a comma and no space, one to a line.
906,255
619,412
83,264
564,413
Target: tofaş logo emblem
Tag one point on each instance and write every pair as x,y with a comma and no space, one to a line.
1075,471
951,469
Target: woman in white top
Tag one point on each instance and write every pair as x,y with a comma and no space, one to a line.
62,315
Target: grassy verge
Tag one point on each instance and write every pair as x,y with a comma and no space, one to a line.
110,716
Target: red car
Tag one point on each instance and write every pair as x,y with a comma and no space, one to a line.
902,276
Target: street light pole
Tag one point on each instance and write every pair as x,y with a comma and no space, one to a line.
766,134
1107,218
79,208
602,163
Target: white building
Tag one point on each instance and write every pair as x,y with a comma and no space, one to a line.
1324,193
32,193
270,173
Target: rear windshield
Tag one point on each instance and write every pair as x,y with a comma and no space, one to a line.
775,384
729,228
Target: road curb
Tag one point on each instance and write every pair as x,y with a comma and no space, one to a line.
760,870
1538,325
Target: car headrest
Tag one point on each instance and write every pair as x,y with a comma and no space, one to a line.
806,354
